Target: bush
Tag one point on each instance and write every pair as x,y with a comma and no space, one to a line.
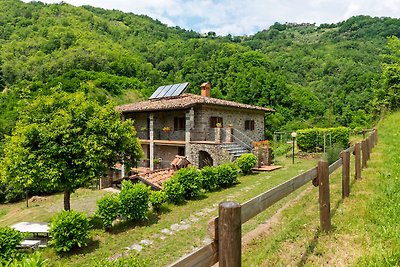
174,191
189,179
246,163
69,229
108,208
227,174
332,153
208,178
309,139
34,260
9,239
157,198
134,200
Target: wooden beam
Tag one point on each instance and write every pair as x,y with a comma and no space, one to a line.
324,196
364,153
334,166
357,161
229,235
212,228
345,174
203,257
261,202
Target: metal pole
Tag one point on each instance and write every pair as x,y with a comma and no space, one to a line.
293,149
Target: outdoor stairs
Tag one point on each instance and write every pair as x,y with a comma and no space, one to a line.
235,150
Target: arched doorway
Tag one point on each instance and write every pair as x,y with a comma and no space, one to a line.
205,159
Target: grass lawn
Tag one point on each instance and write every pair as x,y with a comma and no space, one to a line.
164,248
366,225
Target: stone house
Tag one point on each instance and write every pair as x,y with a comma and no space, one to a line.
208,131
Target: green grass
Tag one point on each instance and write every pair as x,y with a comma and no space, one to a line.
3,212
161,252
366,225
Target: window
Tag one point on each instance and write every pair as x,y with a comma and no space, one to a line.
179,123
249,125
215,120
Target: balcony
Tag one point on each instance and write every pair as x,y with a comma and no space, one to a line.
201,135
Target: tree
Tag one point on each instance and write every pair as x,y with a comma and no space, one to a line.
63,141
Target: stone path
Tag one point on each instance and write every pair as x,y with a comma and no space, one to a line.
183,225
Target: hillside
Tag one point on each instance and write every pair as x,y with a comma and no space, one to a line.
312,76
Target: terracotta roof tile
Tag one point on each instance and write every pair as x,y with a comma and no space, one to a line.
183,102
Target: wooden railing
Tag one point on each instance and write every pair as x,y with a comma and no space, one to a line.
225,230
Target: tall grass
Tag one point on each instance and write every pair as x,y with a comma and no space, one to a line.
366,226
384,206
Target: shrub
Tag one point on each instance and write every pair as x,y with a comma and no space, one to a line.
332,153
174,191
134,200
69,229
208,178
34,260
189,179
309,139
246,163
157,198
9,239
227,174
108,209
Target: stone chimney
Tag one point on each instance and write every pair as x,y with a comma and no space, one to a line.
206,90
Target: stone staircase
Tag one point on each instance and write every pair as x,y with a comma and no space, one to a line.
235,150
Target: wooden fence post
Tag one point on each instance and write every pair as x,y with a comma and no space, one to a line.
324,196
371,144
372,139
376,136
229,234
364,153
368,148
345,173
357,161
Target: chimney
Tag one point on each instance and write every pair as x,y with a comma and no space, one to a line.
206,90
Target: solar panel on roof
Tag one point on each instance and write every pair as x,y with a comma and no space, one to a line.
169,90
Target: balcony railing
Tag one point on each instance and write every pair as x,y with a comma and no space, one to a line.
197,134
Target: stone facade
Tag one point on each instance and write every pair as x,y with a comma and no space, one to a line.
195,137
217,153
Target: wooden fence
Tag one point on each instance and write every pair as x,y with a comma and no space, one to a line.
225,230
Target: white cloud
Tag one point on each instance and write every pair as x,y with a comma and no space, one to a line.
240,17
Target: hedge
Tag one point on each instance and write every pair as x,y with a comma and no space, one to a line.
310,139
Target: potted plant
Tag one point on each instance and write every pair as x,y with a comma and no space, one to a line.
157,163
218,125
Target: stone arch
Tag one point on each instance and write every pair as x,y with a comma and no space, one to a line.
205,159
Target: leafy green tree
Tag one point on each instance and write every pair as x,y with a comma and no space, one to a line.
64,141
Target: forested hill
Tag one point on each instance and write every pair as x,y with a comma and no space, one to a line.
312,75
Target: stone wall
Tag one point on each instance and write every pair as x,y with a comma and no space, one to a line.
218,154
234,116
166,154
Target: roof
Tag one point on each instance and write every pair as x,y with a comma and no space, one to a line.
156,178
184,101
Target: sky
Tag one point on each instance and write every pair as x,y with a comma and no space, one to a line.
245,17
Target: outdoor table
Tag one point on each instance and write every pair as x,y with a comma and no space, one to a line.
35,228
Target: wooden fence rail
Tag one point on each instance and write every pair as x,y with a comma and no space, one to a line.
225,230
